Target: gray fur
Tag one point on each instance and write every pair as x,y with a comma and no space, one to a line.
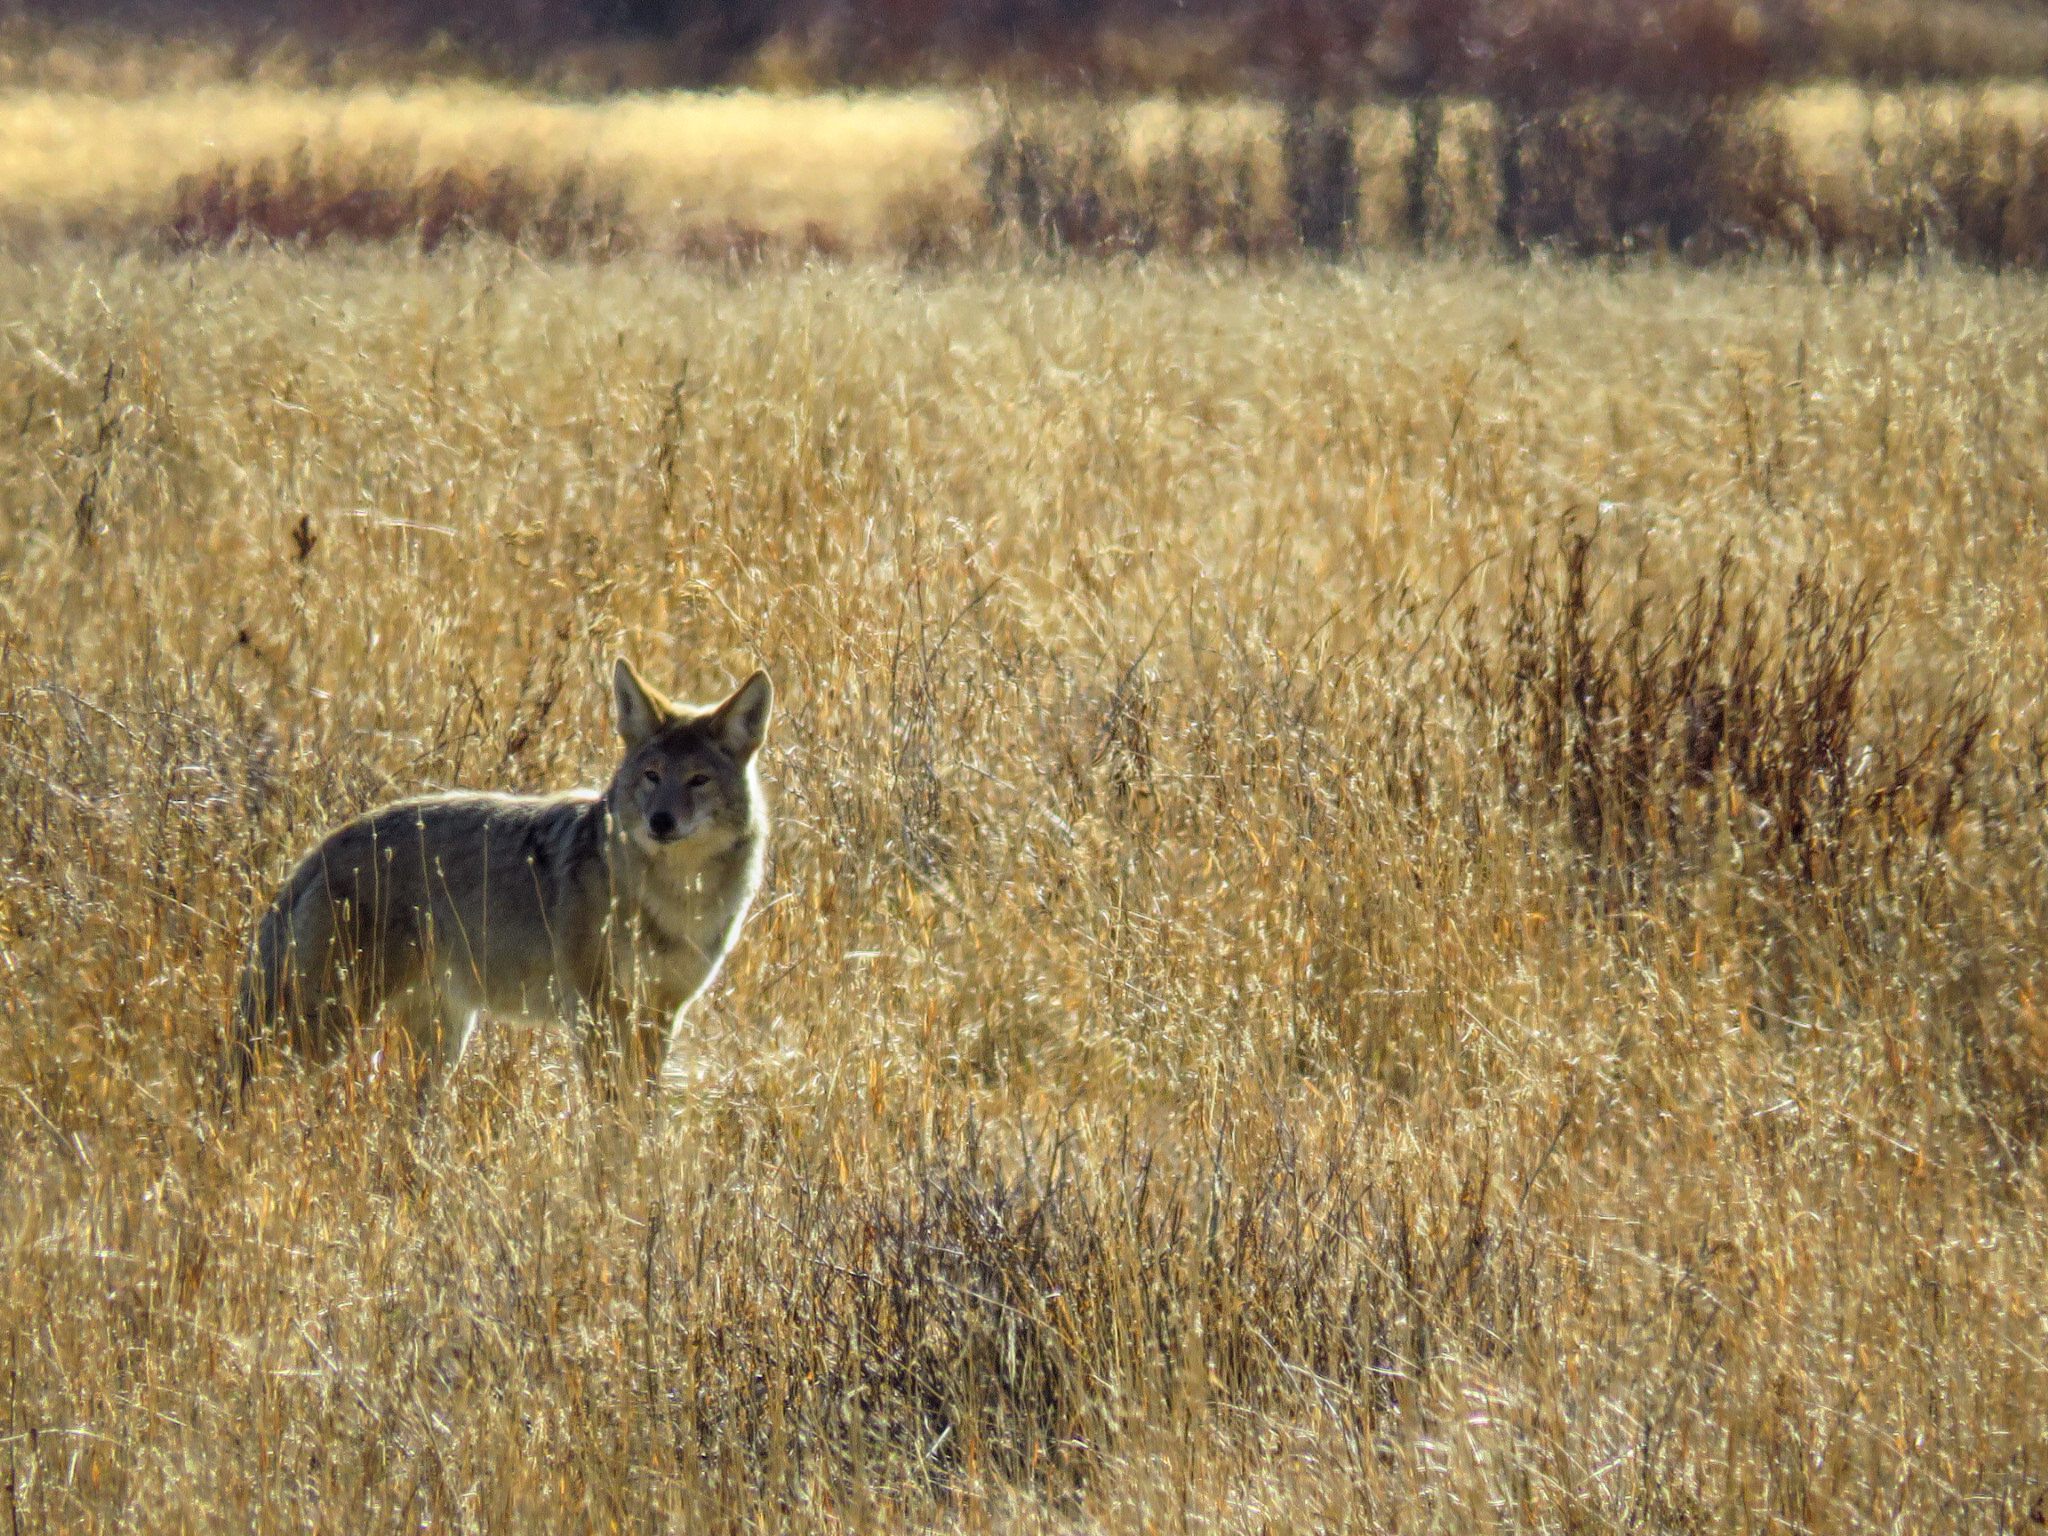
607,910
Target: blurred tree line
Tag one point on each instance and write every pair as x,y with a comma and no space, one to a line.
1521,51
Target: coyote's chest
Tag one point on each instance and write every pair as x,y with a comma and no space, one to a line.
676,923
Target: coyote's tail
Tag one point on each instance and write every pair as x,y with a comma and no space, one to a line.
255,1010
265,994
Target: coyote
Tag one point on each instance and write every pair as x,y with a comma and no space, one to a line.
610,911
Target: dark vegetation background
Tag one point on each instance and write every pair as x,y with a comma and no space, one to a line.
1525,51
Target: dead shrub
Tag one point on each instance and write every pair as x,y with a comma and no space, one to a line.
311,201
1057,182
1648,739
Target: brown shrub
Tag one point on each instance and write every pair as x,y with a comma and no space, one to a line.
378,199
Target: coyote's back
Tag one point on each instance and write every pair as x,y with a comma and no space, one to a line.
609,909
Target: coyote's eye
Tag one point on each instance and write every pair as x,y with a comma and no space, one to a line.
653,775
697,781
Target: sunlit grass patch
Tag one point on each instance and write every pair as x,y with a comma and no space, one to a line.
1398,887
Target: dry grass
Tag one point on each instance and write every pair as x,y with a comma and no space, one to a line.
682,162
1295,991
1834,172
1828,170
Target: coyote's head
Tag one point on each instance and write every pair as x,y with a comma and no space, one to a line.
685,779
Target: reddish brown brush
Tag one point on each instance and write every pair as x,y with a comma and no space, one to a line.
311,202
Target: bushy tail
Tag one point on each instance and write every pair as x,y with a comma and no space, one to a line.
267,995
255,1010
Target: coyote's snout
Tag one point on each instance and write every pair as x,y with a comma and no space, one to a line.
608,910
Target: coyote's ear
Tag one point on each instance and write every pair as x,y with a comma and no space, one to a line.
640,708
742,720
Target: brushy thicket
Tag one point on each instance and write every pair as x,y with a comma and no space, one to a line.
1595,175
1838,176
1404,895
307,203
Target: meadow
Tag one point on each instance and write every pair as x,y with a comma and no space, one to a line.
1407,893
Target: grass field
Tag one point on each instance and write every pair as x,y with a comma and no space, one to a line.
1406,895
890,173
775,164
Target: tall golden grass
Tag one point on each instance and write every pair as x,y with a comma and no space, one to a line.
1405,896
